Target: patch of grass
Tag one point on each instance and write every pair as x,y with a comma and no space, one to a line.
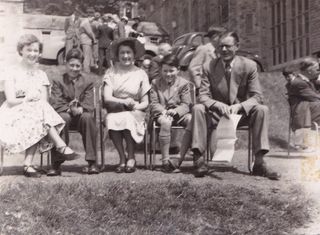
159,207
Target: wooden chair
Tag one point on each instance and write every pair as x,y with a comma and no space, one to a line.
155,127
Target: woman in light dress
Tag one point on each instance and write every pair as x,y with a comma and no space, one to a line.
26,118
126,97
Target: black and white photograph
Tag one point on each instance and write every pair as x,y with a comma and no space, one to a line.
160,117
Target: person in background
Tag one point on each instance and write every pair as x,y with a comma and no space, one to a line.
71,28
27,120
170,99
230,85
119,31
105,37
95,22
304,99
73,98
163,50
126,89
127,28
87,40
203,54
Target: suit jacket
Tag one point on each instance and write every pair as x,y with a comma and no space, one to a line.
154,71
71,27
119,31
64,91
202,54
104,35
244,88
163,97
301,92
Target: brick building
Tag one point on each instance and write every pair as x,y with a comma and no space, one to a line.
280,31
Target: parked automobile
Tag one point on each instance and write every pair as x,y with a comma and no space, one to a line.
50,30
185,46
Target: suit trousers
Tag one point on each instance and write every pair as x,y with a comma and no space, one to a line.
85,124
258,120
88,57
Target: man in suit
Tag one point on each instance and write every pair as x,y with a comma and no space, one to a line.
105,37
203,54
71,28
304,99
230,85
72,97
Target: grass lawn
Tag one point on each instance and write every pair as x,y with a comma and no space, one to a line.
102,206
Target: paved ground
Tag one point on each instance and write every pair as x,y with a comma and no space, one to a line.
297,170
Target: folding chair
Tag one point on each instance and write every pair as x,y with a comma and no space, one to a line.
250,151
155,127
103,134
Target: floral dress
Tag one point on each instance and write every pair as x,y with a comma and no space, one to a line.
128,84
26,124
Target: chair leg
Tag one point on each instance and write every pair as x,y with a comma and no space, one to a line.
1,160
153,147
250,151
145,148
289,140
317,135
102,143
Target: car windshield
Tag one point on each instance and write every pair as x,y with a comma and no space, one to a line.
151,28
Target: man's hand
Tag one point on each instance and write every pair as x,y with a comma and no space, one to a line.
171,112
76,110
222,108
235,108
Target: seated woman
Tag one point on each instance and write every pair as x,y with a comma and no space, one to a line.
126,96
170,105
26,118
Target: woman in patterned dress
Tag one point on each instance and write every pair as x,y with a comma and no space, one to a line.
126,96
26,118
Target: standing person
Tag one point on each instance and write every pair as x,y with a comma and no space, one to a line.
163,50
95,23
87,40
71,28
27,121
230,85
203,54
72,97
119,31
105,37
170,105
126,96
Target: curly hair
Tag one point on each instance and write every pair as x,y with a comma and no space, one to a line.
27,40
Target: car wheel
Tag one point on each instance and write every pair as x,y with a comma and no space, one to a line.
60,58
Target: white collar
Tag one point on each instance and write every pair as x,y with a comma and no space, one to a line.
231,63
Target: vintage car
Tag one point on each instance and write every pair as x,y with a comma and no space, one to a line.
50,30
185,46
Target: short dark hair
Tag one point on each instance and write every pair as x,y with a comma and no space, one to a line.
27,40
307,62
126,43
170,60
288,70
74,54
230,34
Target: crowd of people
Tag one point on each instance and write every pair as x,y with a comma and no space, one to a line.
225,84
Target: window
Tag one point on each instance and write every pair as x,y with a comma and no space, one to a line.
224,11
289,30
195,17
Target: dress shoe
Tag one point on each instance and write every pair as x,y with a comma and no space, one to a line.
131,166
93,169
67,156
121,168
201,168
30,171
167,167
54,172
264,171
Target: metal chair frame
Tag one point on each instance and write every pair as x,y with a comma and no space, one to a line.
103,135
155,127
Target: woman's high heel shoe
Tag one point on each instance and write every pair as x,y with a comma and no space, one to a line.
33,173
67,156
130,168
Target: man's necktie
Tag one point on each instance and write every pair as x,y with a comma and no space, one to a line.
227,73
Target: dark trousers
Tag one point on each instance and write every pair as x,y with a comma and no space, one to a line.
86,126
258,119
104,59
